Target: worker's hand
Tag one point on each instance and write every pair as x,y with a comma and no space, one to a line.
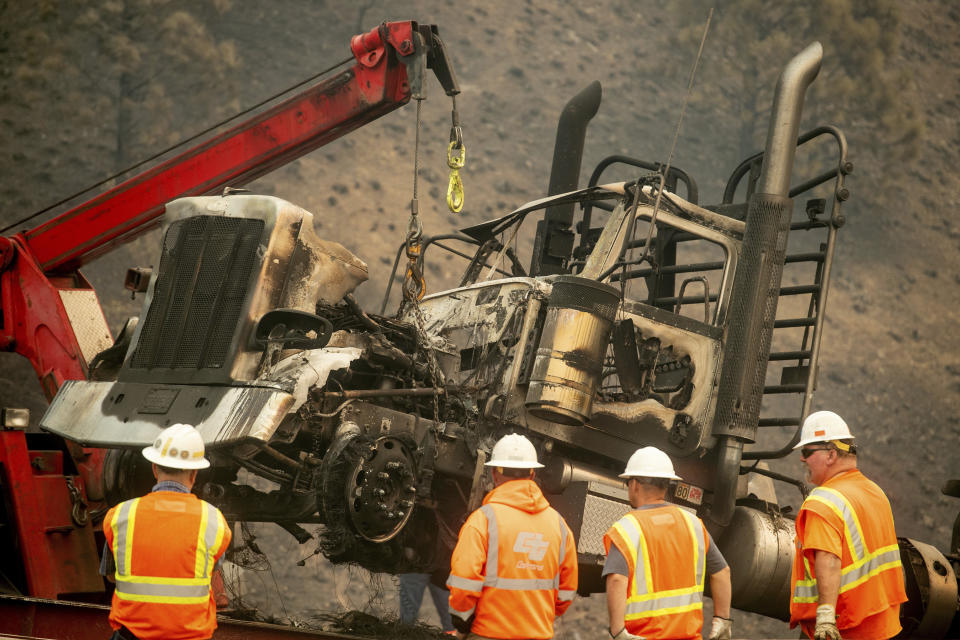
826,628
721,628
625,635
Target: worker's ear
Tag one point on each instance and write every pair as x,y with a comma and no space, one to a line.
153,467
193,476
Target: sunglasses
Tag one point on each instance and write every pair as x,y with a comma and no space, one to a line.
806,452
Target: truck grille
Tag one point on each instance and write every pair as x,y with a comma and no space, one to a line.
199,293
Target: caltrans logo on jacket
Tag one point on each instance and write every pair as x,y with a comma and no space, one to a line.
534,546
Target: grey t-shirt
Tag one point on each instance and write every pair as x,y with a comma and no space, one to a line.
617,563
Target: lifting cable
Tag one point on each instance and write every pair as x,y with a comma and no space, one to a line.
175,146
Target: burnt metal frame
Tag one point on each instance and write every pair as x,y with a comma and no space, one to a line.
813,324
425,244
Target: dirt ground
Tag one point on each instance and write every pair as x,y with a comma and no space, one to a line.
90,87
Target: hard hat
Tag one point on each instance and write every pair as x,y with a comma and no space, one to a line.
179,446
513,451
823,426
649,462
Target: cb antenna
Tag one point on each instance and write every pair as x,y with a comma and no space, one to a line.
666,168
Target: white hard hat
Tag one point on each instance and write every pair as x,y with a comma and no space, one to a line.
514,451
823,426
179,447
649,462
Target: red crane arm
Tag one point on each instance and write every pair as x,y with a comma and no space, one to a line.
39,266
50,314
376,84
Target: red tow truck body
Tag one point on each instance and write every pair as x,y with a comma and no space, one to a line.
52,488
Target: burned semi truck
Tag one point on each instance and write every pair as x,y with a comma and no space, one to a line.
650,320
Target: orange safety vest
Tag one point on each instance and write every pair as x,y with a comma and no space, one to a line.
666,551
165,546
514,566
871,579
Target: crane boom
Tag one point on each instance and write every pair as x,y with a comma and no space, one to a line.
50,314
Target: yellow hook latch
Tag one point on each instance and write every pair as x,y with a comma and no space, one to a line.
455,187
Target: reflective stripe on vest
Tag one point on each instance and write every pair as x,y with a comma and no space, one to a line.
463,615
493,562
195,590
643,601
865,565
563,595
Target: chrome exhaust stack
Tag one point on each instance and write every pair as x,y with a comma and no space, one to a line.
756,285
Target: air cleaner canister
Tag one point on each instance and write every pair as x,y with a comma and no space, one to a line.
569,359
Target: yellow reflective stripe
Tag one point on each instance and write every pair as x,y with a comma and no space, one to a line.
647,575
664,594
632,540
892,564
128,539
163,590
626,538
664,612
218,540
637,546
190,582
200,562
693,541
665,603
116,537
699,546
806,590
846,525
209,538
853,515
162,599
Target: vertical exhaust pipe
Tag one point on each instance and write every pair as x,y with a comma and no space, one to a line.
553,244
756,287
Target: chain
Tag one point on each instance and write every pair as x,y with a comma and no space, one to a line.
80,512
414,284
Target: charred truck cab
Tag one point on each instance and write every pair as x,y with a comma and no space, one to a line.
378,427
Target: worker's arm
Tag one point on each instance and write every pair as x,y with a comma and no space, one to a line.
720,591
616,602
568,574
828,577
827,567
467,571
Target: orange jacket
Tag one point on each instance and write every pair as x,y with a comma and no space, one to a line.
165,546
849,516
666,551
515,565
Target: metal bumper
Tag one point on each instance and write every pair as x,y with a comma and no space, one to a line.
126,414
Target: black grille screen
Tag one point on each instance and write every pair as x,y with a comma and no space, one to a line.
204,273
